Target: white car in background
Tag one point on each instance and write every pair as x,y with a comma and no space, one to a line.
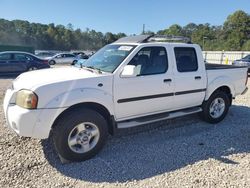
63,58
45,55
245,61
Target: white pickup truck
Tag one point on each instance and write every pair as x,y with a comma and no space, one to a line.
133,81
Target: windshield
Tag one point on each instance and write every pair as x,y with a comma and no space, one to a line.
246,58
108,58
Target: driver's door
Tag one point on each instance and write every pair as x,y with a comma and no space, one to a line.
148,93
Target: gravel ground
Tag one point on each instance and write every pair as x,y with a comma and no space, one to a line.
184,152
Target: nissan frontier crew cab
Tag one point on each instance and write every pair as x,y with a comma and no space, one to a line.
133,81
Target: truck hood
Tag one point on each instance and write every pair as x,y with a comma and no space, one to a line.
37,78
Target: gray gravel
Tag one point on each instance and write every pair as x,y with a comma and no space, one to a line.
184,152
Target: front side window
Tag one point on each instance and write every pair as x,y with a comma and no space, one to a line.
186,59
150,60
109,57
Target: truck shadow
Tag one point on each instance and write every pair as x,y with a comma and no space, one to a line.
172,145
8,76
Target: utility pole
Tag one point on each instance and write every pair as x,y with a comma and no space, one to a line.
203,45
143,29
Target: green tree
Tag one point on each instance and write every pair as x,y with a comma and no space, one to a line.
174,30
237,30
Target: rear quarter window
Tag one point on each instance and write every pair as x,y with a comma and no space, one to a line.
186,59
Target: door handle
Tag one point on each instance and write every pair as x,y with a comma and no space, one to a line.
197,77
167,80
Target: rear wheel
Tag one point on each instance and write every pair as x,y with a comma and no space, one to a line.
52,62
80,134
216,107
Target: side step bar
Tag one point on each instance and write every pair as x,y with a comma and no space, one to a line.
157,117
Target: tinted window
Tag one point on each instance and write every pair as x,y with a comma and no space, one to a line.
150,60
186,59
22,57
247,57
4,57
69,55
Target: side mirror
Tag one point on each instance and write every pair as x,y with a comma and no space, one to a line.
129,71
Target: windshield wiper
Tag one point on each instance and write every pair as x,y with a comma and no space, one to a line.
94,68
82,66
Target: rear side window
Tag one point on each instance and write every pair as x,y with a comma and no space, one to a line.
150,60
22,57
186,59
4,57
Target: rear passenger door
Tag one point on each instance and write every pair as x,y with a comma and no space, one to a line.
19,63
190,80
69,58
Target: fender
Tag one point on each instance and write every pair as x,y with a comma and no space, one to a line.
219,82
81,95
62,102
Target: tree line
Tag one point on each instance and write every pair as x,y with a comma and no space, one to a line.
233,35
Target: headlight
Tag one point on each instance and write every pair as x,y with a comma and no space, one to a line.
26,99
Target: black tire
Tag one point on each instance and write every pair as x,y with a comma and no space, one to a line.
32,68
66,124
52,62
206,115
74,62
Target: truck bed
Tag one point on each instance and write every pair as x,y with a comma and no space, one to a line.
229,75
210,66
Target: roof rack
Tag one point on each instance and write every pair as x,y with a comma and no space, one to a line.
134,38
153,38
169,38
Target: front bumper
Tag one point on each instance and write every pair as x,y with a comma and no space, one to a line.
28,123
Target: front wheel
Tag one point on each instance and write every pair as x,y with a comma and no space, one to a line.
216,107
74,62
32,68
80,134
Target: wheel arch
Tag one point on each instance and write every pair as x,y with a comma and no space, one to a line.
226,89
223,83
93,106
